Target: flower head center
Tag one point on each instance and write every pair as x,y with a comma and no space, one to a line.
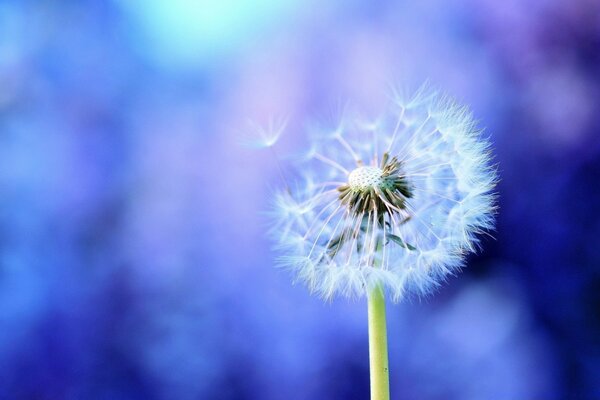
383,190
365,178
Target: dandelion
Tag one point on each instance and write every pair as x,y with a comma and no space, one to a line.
390,206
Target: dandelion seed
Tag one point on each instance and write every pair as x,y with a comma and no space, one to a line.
413,191
265,136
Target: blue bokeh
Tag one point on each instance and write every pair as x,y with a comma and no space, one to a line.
133,258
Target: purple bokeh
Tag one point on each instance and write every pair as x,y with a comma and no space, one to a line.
133,257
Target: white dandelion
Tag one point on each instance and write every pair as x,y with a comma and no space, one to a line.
392,206
396,203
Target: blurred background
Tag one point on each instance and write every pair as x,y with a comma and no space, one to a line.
133,258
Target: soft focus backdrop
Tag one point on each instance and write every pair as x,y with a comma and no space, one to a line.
133,259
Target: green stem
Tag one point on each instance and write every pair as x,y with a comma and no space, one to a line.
378,352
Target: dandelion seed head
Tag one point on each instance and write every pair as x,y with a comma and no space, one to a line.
396,202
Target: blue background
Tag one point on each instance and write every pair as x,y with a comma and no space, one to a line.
133,259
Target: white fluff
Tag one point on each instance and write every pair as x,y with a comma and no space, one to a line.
446,162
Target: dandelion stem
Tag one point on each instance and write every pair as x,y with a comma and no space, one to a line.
378,352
